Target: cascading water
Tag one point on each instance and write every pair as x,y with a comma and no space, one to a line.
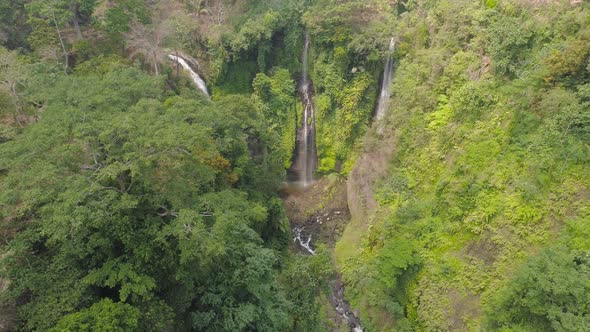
306,153
337,297
385,93
195,77
343,308
299,237
304,166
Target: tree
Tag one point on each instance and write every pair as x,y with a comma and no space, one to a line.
43,14
275,98
13,77
508,44
567,62
153,211
147,41
105,315
305,278
550,293
13,24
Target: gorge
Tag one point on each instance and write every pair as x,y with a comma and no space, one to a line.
300,165
305,165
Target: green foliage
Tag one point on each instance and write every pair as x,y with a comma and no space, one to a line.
15,76
47,19
344,106
306,277
396,258
349,42
275,97
119,16
337,22
549,293
99,65
487,166
353,114
102,316
270,35
131,203
53,11
255,31
165,208
13,25
236,77
567,62
264,35
117,20
565,115
509,44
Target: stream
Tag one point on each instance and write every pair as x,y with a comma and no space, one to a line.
305,164
303,239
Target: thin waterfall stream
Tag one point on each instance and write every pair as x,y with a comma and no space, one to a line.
194,76
385,93
306,153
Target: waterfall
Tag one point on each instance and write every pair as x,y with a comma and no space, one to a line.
306,153
384,95
299,237
195,77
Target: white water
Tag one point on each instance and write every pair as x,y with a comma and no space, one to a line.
195,77
306,154
385,93
337,298
299,237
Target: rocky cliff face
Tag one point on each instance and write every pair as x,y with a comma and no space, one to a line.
370,167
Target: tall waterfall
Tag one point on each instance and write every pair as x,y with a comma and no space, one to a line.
195,77
384,95
306,153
